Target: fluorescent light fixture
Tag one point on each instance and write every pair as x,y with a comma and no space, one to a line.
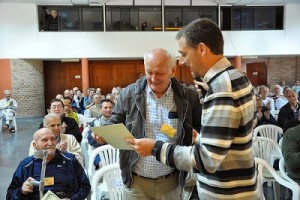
70,60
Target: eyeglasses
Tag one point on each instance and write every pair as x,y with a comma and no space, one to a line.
56,107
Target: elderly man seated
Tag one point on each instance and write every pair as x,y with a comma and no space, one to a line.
8,106
64,142
64,175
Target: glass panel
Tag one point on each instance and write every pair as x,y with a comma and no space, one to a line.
69,18
150,18
189,14
265,18
211,13
92,19
173,18
121,19
236,19
248,18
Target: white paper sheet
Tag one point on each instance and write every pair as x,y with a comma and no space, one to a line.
114,135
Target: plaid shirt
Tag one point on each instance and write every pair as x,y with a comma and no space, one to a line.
157,114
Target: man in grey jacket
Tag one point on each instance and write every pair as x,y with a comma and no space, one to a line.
158,107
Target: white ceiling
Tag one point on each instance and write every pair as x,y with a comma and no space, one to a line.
222,2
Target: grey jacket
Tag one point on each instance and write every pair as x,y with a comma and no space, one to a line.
131,111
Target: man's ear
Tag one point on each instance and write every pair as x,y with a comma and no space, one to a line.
202,48
34,145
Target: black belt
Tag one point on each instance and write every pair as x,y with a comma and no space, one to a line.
157,178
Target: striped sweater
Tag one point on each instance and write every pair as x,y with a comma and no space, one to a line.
222,156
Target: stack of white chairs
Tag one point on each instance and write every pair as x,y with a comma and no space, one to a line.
111,175
86,148
109,156
272,132
267,149
263,165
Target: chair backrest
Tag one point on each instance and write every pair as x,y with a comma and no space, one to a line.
111,175
108,155
263,165
86,148
266,148
283,172
268,130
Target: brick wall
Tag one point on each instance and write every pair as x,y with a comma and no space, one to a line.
28,87
282,68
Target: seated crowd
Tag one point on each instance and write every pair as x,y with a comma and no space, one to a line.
59,135
284,102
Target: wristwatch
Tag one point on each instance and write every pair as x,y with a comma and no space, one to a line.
157,146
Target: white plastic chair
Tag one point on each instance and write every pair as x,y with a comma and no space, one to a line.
262,165
86,148
284,174
13,122
269,130
111,175
268,150
108,155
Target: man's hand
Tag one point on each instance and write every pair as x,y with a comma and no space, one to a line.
98,139
27,187
63,128
142,146
63,146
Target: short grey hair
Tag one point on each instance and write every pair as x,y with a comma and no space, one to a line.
49,116
171,60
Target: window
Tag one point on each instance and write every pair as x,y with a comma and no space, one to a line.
252,18
176,17
70,18
133,18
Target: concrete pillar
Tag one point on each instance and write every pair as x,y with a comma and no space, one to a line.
85,75
237,62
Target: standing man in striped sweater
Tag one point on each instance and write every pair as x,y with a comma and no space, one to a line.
222,155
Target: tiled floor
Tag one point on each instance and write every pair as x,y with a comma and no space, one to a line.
14,147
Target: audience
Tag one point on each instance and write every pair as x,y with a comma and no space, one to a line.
64,142
8,107
289,114
70,125
279,99
69,180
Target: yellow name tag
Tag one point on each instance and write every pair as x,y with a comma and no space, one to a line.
49,181
168,130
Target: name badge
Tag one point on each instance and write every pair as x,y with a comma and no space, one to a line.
49,181
168,130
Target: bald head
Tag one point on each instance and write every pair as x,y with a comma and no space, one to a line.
39,133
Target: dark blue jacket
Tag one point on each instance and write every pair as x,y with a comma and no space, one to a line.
79,183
